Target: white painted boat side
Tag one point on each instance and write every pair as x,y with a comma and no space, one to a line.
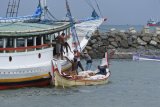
26,59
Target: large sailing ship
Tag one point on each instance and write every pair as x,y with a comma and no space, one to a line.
27,46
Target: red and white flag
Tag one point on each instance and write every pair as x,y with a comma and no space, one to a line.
106,56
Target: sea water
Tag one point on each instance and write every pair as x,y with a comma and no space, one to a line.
105,27
131,84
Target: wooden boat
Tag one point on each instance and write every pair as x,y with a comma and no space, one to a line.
28,64
83,79
27,49
78,80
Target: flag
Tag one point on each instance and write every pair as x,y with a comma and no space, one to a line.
106,56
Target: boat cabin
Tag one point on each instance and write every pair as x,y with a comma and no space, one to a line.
23,44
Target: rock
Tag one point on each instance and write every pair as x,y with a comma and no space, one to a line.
141,42
93,41
155,35
134,41
132,30
146,38
145,30
88,47
158,36
124,44
98,38
122,41
130,41
100,43
101,49
118,39
104,37
157,30
111,39
93,37
112,35
134,36
156,39
158,46
114,44
152,42
97,33
105,42
111,47
134,45
95,46
124,36
92,54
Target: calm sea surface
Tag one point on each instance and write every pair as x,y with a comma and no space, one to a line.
132,84
105,27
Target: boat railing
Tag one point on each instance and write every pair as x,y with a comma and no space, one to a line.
24,49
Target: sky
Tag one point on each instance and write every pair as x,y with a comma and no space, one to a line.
118,12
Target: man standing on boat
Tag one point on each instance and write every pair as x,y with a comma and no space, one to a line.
77,59
66,45
60,44
88,61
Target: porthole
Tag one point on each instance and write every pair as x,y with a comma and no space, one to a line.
10,58
39,55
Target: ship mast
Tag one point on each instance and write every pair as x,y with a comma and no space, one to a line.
13,6
43,4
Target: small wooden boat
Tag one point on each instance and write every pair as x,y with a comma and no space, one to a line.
82,79
79,80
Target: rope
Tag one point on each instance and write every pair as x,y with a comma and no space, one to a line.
47,10
18,7
99,8
89,3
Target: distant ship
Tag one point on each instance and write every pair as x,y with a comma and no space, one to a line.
151,22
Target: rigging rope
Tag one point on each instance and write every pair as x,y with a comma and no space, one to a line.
47,10
99,8
94,13
89,3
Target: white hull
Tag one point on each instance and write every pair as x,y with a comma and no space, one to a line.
26,64
25,59
145,58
